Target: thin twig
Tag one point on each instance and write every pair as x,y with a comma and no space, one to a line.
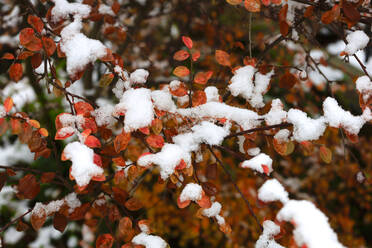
14,221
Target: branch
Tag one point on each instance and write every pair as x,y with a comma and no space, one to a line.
282,125
237,188
14,221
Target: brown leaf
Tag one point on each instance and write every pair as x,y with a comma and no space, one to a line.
287,80
198,98
325,154
211,171
203,77
156,141
36,23
125,226
3,177
350,11
133,204
59,222
49,45
28,187
38,219
209,188
47,177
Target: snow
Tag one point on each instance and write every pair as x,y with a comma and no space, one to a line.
282,135
276,115
305,128
191,191
338,117
72,202
162,100
245,118
54,206
139,76
241,82
311,227
105,10
149,241
364,86
242,85
272,190
167,159
45,235
357,40
83,168
103,115
212,94
138,108
254,151
256,163
62,9
79,49
266,240
213,211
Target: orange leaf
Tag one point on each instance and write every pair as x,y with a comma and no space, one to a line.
187,41
180,90
8,104
205,201
121,141
234,2
104,241
34,123
36,23
49,45
156,141
182,204
64,133
283,13
181,71
83,108
15,72
195,55
125,226
331,15
34,44
144,130
181,55
252,5
119,161
43,132
198,98
203,77
8,56
325,154
223,58
309,12
92,142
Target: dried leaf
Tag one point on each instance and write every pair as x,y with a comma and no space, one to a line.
59,222
325,154
121,141
133,204
28,187
38,219
15,72
203,77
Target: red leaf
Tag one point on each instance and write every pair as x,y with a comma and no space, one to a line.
144,130
34,44
181,71
104,241
181,55
26,35
8,56
24,55
223,58
180,90
36,23
92,142
287,80
156,141
283,13
265,169
49,45
8,104
15,72
284,28
83,108
187,41
203,77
